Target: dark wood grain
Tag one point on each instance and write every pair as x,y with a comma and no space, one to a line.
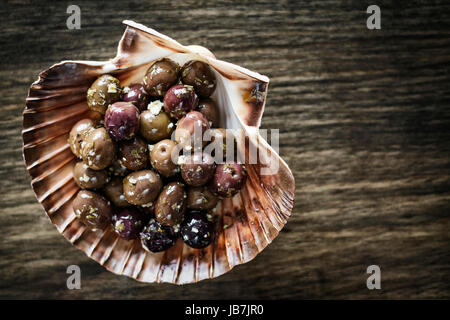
364,118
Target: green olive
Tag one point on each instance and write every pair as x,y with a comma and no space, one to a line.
103,92
155,127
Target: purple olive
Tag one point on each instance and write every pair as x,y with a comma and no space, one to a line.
128,223
155,237
136,95
190,130
122,120
196,230
179,100
197,169
228,179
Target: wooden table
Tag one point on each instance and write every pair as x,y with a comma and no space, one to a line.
364,117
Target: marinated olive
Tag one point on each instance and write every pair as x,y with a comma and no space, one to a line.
171,204
142,187
98,149
197,169
179,100
199,75
154,124
122,120
161,158
86,178
156,237
128,223
148,210
160,76
92,209
196,230
114,191
228,179
190,130
220,138
136,94
116,169
103,92
133,154
201,198
210,111
78,134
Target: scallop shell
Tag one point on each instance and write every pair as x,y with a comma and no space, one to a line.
253,218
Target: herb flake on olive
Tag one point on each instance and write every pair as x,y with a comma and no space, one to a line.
98,149
171,204
92,209
156,237
199,75
122,120
160,76
142,187
104,91
228,179
196,230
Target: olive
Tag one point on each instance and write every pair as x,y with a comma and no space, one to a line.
190,130
116,169
78,134
156,237
86,178
228,179
199,75
122,120
160,76
136,94
155,125
201,198
210,111
219,142
197,169
196,230
128,223
171,204
103,92
179,100
114,191
133,154
98,149
92,209
164,159
148,210
142,187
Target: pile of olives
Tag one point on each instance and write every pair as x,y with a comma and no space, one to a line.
126,173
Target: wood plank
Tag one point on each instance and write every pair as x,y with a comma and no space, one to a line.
364,118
